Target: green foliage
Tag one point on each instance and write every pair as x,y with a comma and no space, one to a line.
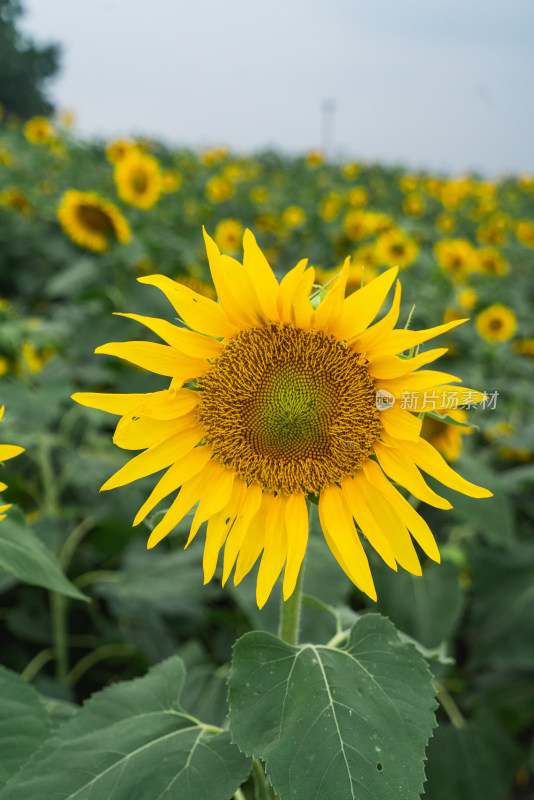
134,739
24,723
329,722
23,555
25,67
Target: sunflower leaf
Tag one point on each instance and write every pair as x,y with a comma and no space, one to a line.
23,722
24,555
134,740
337,723
447,419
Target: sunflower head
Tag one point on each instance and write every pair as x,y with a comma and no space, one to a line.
497,323
7,451
138,178
39,130
395,248
456,257
91,221
271,399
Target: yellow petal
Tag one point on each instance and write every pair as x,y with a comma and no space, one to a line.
297,540
442,398
274,550
137,433
413,521
427,458
392,525
233,286
8,451
218,527
112,403
401,424
337,525
188,343
253,542
414,382
394,367
330,309
366,521
261,274
155,458
189,494
366,341
403,471
400,340
250,507
287,289
3,487
167,405
214,499
361,307
189,462
198,312
158,358
302,310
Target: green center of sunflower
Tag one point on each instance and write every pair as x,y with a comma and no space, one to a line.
289,409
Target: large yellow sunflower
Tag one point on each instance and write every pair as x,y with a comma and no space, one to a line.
7,451
91,221
273,400
139,179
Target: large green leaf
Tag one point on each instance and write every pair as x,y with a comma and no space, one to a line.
332,723
24,555
23,723
472,763
132,740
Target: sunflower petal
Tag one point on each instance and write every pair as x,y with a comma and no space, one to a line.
274,550
400,340
198,312
193,345
428,459
361,307
391,366
297,540
158,358
213,501
262,276
366,341
251,505
8,451
400,424
403,470
366,521
336,522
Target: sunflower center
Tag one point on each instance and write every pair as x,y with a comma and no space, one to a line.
94,218
139,181
289,409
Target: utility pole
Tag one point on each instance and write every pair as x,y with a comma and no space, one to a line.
328,110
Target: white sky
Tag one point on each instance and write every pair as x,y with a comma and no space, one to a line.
440,84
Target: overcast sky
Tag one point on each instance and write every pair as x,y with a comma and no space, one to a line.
439,84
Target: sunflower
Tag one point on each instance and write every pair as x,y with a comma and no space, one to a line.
394,248
90,220
467,298
444,436
293,217
138,179
228,235
14,198
491,262
457,257
497,323
524,230
119,149
39,130
272,401
413,204
7,451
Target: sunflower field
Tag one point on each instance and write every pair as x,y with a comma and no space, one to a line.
398,663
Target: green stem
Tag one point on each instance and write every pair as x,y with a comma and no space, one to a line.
58,604
261,792
449,706
50,496
88,661
37,663
290,613
239,795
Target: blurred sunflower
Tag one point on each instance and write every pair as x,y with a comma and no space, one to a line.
494,230
119,149
492,262
358,197
14,198
396,249
293,217
358,225
457,257
446,223
219,189
524,230
228,235
524,347
413,204
171,181
91,221
467,299
7,451
444,436
330,207
497,323
272,400
138,179
39,130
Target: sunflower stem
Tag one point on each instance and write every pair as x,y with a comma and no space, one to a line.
261,791
290,613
